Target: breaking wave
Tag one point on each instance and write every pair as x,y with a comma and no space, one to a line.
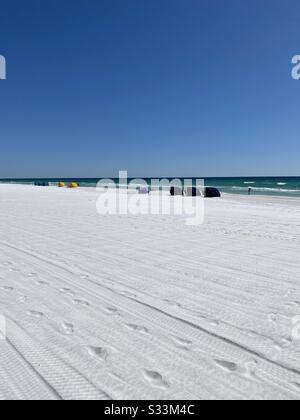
279,190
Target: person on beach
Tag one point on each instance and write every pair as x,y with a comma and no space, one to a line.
249,191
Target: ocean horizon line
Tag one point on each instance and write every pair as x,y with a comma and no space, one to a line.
149,177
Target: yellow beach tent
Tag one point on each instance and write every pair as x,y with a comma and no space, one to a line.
73,185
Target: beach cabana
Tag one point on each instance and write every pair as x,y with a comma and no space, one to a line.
193,192
73,185
143,190
212,192
176,191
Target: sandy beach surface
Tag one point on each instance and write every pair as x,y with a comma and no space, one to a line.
145,307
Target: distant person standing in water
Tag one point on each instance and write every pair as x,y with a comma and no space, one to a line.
249,191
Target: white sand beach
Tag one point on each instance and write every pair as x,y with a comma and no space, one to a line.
145,307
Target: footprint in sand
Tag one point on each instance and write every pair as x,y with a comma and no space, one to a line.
182,342
32,275
7,288
112,311
290,292
250,368
23,299
138,328
286,342
79,302
35,314
98,352
15,270
272,318
172,303
155,379
67,328
7,264
42,283
84,276
226,365
68,292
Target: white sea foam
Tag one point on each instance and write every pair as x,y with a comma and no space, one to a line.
283,190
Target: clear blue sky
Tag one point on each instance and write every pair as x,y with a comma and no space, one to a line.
157,87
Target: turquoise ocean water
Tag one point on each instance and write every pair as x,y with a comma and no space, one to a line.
278,186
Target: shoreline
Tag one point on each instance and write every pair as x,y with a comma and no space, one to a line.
253,195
